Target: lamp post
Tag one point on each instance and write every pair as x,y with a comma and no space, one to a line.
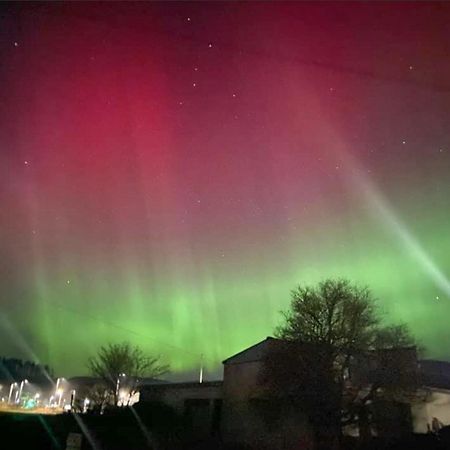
72,398
86,405
58,382
11,389
59,393
19,396
118,386
58,390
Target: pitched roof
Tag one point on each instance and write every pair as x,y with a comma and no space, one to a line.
255,352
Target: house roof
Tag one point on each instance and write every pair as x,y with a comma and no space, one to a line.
255,352
258,351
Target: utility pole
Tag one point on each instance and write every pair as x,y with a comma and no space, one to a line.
201,369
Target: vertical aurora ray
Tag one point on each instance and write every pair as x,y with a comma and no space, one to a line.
167,182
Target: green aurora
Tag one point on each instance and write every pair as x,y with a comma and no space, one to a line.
169,186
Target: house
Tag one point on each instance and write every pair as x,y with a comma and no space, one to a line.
248,417
242,411
434,409
199,403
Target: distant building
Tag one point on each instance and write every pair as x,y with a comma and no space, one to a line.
199,403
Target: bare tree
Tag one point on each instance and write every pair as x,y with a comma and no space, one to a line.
124,366
330,337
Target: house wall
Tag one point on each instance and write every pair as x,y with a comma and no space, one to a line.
249,418
239,385
175,395
437,405
240,381
200,403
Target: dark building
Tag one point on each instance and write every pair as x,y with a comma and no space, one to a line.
238,408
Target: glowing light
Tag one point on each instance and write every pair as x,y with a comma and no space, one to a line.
19,392
11,389
394,225
108,199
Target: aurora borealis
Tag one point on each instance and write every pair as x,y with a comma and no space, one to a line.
170,171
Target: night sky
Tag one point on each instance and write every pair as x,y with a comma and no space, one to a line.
169,172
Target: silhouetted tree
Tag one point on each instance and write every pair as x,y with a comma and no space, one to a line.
15,370
124,366
335,356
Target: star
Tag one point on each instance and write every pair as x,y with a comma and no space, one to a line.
403,142
210,45
26,163
16,44
234,95
180,103
437,297
194,84
196,69
411,67
68,281
188,19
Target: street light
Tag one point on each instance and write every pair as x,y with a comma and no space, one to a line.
59,393
118,385
19,394
58,381
72,398
58,390
11,389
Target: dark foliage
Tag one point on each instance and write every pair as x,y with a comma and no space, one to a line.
16,370
335,356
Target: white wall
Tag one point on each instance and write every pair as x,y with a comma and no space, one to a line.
437,405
